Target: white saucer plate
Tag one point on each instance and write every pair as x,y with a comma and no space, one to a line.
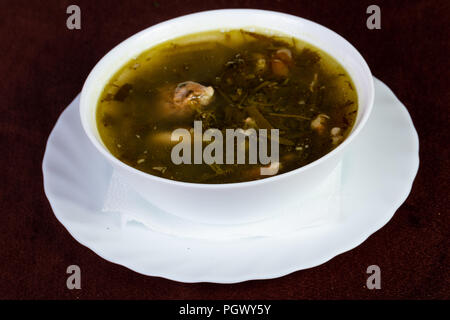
377,175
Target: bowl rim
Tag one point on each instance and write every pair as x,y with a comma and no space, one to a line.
354,132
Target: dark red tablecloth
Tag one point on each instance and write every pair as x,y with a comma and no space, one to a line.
43,66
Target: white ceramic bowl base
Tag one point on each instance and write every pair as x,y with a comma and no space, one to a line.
320,206
377,174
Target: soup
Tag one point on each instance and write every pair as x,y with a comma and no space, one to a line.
240,80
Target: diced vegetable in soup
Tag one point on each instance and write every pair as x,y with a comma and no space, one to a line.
227,80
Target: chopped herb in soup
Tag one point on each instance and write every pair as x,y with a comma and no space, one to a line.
227,80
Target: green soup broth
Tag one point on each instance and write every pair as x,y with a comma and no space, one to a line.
259,81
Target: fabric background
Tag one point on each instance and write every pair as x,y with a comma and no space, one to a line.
43,66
